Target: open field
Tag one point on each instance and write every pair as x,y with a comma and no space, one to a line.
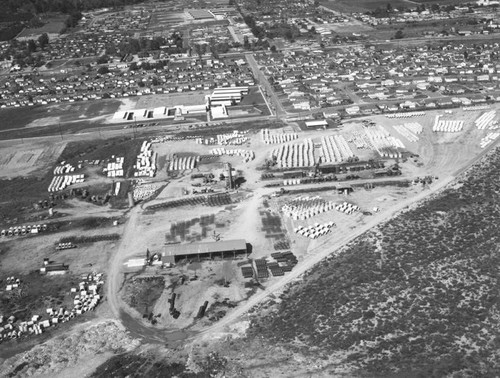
53,25
171,99
34,159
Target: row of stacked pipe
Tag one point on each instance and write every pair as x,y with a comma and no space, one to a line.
335,149
383,142
405,115
410,130
475,108
62,179
235,138
315,231
274,138
145,165
486,121
306,207
62,182
490,137
24,230
347,208
63,168
142,192
87,299
245,154
447,126
359,140
295,155
183,163
114,168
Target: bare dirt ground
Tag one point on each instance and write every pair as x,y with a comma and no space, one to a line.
28,158
172,99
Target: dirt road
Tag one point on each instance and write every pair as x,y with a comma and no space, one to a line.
114,278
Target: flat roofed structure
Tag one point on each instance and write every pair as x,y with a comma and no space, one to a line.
316,123
226,248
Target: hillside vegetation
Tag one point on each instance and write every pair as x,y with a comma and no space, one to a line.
418,296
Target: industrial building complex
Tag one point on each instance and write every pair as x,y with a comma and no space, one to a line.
198,251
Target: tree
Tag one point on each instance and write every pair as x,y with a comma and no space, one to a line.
399,34
103,59
273,49
103,70
31,46
389,8
43,40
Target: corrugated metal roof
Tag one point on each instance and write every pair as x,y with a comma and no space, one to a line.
207,247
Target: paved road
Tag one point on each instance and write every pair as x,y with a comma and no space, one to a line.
259,75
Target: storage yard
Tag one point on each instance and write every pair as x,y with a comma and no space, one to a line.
218,215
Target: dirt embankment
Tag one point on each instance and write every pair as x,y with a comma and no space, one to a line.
67,351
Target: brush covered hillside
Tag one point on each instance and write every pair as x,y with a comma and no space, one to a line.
416,297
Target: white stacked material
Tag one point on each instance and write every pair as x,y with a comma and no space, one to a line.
145,165
247,155
274,138
114,168
235,138
135,263
447,126
335,149
63,168
183,163
292,182
485,120
62,182
295,155
488,139
476,107
306,207
405,115
87,299
143,192
12,283
383,142
23,230
410,130
347,208
360,141
315,231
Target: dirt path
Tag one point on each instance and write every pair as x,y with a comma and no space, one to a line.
114,278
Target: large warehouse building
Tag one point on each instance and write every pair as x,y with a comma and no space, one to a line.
208,250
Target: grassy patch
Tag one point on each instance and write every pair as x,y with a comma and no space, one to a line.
36,294
103,150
